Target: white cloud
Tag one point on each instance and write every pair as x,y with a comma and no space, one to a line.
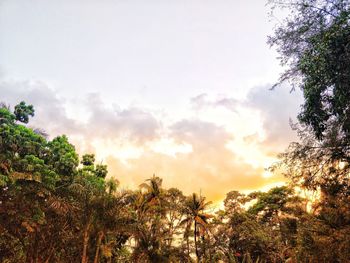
223,144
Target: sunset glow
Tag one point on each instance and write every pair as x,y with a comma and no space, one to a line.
174,131
173,90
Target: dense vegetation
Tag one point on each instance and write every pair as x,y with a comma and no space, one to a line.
53,209
57,207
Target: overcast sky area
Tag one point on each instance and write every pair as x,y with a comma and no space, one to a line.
176,88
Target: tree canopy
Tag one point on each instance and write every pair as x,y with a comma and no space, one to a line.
66,209
314,45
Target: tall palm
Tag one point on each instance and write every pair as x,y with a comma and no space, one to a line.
151,195
87,191
149,233
194,208
112,218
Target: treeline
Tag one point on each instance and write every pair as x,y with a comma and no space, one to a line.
57,208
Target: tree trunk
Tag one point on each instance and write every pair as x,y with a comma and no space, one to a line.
36,250
31,251
98,244
29,258
204,247
50,255
86,237
188,246
195,240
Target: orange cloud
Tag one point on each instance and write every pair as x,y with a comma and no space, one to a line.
222,145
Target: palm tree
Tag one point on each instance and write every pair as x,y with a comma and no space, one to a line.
152,197
194,209
149,231
87,190
112,217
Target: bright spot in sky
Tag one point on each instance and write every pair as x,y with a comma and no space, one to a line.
169,147
117,148
267,174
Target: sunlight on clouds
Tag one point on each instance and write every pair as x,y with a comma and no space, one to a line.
244,124
267,174
169,147
117,148
125,150
250,153
217,149
215,145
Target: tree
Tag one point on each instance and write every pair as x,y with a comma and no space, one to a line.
313,42
235,201
247,236
88,160
23,152
270,204
315,165
28,191
194,208
23,111
112,222
63,157
88,190
150,229
174,202
153,195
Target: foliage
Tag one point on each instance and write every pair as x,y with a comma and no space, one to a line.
23,111
314,43
63,212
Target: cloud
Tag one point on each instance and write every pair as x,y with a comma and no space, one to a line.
274,108
277,108
200,134
210,167
50,112
132,123
222,145
201,101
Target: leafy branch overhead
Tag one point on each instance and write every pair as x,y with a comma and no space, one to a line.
314,46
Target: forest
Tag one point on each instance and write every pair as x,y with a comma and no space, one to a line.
57,206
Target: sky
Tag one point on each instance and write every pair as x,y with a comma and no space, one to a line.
179,89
